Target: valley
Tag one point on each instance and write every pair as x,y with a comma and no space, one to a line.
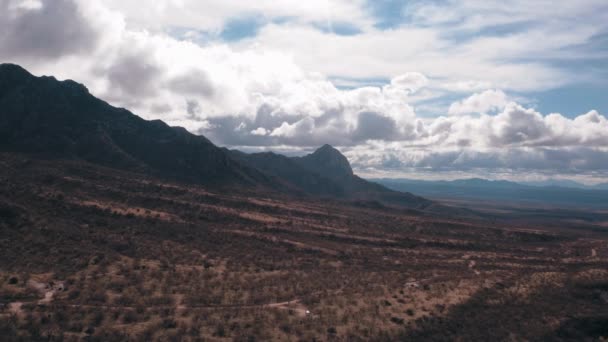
97,253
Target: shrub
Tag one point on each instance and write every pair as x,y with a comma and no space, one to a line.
169,324
397,320
220,331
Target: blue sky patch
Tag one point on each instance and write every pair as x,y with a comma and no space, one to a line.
241,28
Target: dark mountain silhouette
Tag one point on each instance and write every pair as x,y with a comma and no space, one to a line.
327,161
290,173
61,119
327,172
52,118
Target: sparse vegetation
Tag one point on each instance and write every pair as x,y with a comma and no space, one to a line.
95,253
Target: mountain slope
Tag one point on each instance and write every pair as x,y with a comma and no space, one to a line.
330,163
290,172
327,172
62,119
327,161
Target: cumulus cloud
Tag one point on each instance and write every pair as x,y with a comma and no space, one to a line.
375,126
485,102
195,82
410,82
516,139
133,76
43,29
259,131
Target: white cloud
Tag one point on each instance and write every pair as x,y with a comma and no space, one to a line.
410,82
512,62
259,131
213,15
485,102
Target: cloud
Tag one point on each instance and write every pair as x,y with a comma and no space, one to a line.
518,139
215,15
410,82
193,109
259,131
375,126
485,102
570,161
43,29
498,62
195,82
134,76
518,126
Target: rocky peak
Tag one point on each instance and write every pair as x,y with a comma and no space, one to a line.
12,75
328,162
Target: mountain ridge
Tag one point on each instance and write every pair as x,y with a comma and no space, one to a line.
327,172
62,119
44,116
327,161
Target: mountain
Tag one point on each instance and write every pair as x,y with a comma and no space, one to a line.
327,172
566,183
290,173
52,118
480,182
562,183
327,161
61,119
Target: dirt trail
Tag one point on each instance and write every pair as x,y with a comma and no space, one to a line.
285,305
46,290
294,305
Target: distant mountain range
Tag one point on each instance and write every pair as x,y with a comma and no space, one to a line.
48,118
566,183
550,193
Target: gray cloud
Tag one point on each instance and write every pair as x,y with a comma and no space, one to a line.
372,125
134,75
518,125
580,160
196,82
193,108
54,30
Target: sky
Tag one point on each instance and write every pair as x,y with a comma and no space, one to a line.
443,89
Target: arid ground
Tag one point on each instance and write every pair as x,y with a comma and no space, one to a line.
95,253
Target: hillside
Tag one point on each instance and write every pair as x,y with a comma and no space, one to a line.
96,253
327,172
61,119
